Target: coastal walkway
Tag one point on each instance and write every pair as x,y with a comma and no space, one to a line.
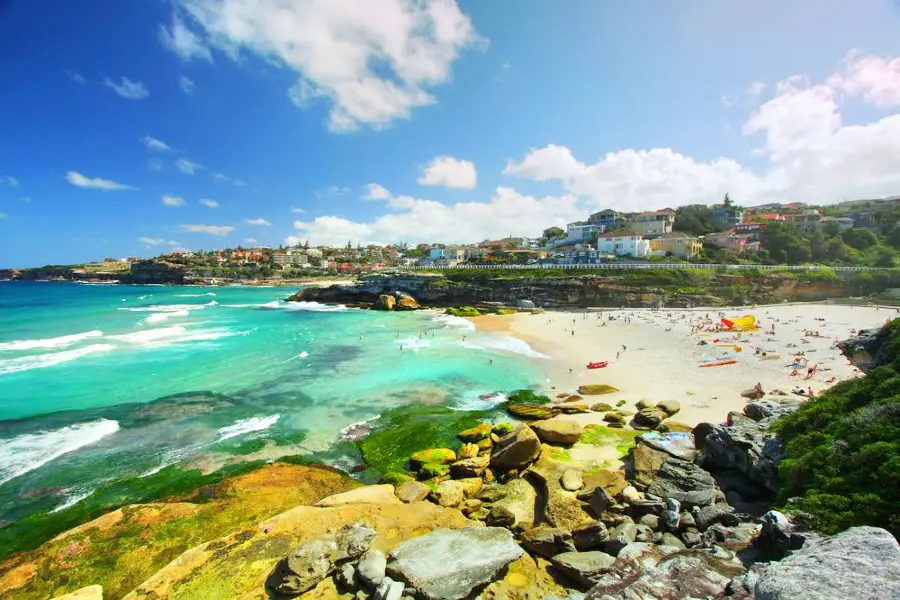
636,266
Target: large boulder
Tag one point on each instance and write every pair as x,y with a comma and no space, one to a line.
646,463
531,412
385,302
596,389
438,456
651,572
469,467
548,541
677,444
305,568
371,568
583,567
449,564
686,482
562,508
558,431
516,450
370,494
518,497
406,302
861,562
412,491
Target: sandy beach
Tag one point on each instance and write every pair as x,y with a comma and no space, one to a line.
657,354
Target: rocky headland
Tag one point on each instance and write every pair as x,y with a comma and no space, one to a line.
639,289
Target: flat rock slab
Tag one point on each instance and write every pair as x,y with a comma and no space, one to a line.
91,592
448,564
370,494
558,431
861,563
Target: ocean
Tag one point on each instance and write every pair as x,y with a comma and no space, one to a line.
101,384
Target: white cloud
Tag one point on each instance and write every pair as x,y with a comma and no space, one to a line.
226,179
210,229
133,90
450,172
155,164
373,191
95,183
418,220
506,65
182,41
172,200
249,240
297,211
3,215
187,167
260,221
208,202
728,101
76,77
155,144
756,89
187,85
9,180
150,241
812,155
373,61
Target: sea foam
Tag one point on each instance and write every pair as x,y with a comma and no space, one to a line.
30,451
247,426
39,361
196,295
454,321
56,342
505,344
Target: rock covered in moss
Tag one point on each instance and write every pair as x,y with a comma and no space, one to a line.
502,429
479,432
531,412
469,467
670,407
601,407
396,478
433,470
441,456
596,389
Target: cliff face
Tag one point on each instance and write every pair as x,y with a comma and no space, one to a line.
150,271
632,290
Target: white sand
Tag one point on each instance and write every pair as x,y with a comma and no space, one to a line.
664,365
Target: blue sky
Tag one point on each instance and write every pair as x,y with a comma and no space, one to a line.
531,114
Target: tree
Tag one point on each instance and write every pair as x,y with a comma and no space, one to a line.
553,233
785,243
695,219
860,238
727,203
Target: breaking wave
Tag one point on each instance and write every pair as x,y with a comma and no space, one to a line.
247,426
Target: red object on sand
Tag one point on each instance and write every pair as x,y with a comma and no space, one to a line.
597,365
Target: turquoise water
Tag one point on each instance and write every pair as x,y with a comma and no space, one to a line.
100,383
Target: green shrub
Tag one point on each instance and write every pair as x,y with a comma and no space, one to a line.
463,311
841,460
527,397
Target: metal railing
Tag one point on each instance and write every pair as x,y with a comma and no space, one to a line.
647,266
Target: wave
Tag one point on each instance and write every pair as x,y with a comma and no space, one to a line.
173,334
163,308
39,361
413,343
72,500
452,321
161,317
195,295
354,432
247,426
303,306
479,401
30,451
57,342
505,344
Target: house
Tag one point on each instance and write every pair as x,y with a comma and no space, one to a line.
728,240
457,254
752,229
677,244
726,217
580,256
579,232
289,258
608,219
623,242
807,220
653,224
843,223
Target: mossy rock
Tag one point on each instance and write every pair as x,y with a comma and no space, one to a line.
531,412
396,478
433,471
407,429
612,417
479,432
617,425
644,403
441,456
596,389
502,310
598,435
601,407
502,429
485,444
528,397
620,403
463,311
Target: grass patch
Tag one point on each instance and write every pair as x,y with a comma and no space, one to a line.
560,454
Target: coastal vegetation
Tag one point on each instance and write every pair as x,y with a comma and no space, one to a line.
841,461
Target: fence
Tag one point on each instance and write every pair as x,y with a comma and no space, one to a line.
649,266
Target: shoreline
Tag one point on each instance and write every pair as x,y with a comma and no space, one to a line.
662,353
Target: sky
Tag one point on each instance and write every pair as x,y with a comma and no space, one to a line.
139,127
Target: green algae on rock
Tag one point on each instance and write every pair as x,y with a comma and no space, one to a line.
479,432
596,389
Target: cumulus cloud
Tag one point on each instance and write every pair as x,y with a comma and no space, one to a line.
449,172
373,191
95,183
259,222
133,90
188,167
373,62
812,155
187,85
209,229
9,180
417,220
155,144
182,41
209,202
172,200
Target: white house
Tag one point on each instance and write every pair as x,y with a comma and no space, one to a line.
579,232
623,243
